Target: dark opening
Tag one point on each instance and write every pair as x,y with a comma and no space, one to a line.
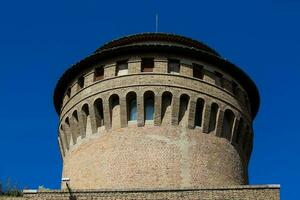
99,73
173,66
213,117
199,112
147,64
197,71
80,82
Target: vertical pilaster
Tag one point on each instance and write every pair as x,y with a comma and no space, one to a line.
66,135
175,110
235,127
106,114
88,79
160,65
186,69
192,113
123,112
74,129
219,124
109,71
140,111
93,118
82,119
157,110
62,142
208,76
206,117
134,65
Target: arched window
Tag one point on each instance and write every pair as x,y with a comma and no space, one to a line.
166,110
184,101
227,124
98,107
131,106
199,112
85,115
149,105
115,117
66,131
213,117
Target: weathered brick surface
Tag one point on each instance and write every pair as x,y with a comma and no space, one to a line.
262,192
153,157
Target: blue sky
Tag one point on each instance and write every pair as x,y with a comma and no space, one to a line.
40,39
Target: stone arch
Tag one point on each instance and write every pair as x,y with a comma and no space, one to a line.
227,125
183,108
131,106
115,111
148,105
214,109
166,108
199,112
66,131
98,109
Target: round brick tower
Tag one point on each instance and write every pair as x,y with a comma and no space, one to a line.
152,111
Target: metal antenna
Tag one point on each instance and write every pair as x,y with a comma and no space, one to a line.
156,23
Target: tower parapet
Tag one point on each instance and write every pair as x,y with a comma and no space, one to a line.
155,111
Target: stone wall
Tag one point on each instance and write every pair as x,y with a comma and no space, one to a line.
262,192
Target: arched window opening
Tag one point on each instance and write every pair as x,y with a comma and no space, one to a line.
199,112
67,121
98,107
239,133
227,124
85,117
149,105
184,101
166,110
213,117
115,117
131,106
75,116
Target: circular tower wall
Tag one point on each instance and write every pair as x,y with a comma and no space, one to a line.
155,111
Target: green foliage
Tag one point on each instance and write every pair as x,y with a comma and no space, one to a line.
10,190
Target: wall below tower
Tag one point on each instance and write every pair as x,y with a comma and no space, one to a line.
254,192
153,157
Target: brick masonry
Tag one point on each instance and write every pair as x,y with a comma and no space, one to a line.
261,192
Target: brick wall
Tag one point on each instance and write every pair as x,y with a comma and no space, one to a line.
255,192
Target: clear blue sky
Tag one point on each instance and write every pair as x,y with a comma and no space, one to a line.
40,39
